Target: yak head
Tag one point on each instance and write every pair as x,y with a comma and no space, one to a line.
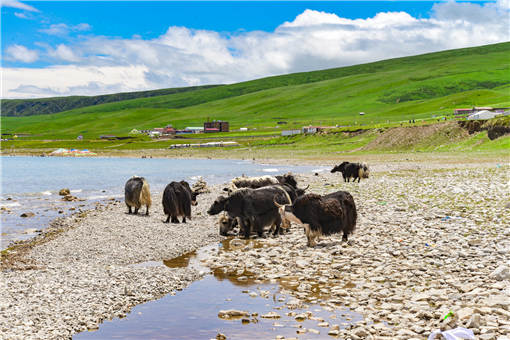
302,191
290,180
218,206
227,224
286,212
339,168
364,172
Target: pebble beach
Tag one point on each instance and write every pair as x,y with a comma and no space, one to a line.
431,239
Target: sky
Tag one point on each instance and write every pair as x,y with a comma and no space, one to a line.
62,48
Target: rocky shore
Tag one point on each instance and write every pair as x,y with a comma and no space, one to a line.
430,240
87,273
429,244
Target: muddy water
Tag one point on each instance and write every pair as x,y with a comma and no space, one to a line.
193,312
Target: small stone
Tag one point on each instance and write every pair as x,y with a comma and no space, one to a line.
333,332
270,315
474,321
64,192
501,273
221,336
27,214
230,313
323,324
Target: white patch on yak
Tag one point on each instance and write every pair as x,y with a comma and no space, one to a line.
311,235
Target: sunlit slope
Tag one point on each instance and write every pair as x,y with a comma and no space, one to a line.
397,89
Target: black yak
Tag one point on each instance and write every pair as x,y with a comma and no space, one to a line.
137,193
177,201
354,170
253,208
322,215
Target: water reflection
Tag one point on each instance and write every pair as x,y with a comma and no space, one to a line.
193,312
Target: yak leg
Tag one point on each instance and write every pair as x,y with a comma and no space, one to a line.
147,211
345,178
129,209
136,211
184,219
310,235
167,219
245,227
344,237
276,229
175,219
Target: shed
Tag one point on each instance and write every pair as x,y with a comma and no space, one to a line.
485,114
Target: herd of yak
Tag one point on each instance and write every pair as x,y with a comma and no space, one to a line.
254,203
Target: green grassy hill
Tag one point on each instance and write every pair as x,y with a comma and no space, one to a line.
417,87
30,107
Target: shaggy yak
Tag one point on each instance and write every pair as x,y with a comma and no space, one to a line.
177,201
287,180
322,215
253,208
355,170
137,193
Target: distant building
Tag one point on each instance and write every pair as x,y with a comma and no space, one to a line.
484,114
216,124
290,132
194,129
314,129
80,137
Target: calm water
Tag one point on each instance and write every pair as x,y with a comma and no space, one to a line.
31,184
193,312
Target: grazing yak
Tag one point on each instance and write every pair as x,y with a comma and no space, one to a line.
355,170
262,181
253,208
177,201
322,215
227,224
137,193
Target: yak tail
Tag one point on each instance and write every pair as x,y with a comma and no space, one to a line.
350,215
145,195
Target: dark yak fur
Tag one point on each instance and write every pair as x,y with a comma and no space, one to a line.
288,179
177,201
253,208
354,170
324,215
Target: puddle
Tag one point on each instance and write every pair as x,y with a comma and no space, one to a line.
193,312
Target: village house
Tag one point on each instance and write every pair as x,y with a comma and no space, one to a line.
216,126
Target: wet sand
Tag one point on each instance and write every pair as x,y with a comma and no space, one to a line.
431,237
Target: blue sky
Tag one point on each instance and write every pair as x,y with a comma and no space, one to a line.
101,47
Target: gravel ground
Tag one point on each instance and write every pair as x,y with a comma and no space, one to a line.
428,242
74,281
431,238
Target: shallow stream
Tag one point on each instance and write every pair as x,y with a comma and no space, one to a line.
193,312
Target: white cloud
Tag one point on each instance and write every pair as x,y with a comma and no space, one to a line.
21,15
21,53
313,40
63,29
63,52
70,80
19,5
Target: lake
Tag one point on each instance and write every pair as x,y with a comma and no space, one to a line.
31,184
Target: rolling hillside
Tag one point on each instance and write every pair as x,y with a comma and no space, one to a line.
415,87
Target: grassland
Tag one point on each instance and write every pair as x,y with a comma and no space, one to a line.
390,92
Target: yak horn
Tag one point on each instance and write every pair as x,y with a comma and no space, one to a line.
277,204
306,187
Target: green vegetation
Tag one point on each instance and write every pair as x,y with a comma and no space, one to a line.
30,107
391,92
